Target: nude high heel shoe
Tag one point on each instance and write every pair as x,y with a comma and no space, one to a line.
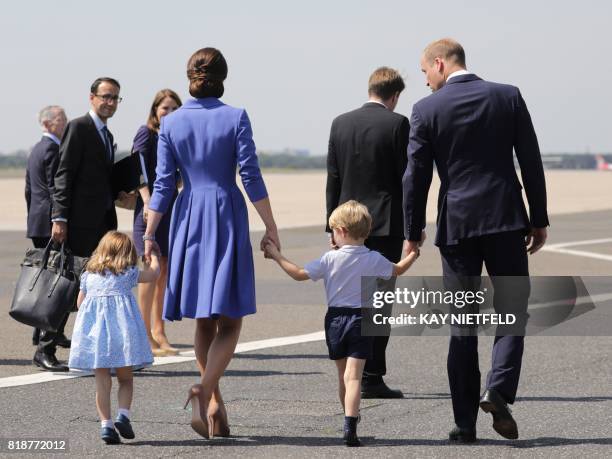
198,424
218,422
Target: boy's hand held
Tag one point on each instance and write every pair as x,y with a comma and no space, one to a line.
270,250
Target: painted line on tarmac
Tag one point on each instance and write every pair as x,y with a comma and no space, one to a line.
186,356
561,248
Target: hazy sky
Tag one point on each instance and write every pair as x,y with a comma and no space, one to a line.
295,65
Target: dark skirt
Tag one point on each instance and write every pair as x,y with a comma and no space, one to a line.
161,235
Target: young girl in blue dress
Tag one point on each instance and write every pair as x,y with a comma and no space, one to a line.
109,331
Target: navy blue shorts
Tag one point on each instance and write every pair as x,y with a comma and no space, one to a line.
343,334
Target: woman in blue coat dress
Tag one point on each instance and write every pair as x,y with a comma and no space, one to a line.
210,267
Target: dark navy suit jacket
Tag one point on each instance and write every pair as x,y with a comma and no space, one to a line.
83,192
39,189
469,128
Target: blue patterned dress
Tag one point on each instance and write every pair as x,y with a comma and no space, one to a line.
109,331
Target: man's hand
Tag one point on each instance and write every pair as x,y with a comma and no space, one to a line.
332,242
536,239
59,231
413,246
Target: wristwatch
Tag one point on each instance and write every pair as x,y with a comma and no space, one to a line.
148,238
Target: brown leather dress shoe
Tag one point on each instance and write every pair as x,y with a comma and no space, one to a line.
503,422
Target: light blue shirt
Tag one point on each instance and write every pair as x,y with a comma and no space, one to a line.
342,271
99,124
52,137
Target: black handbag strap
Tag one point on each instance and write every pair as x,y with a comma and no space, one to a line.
43,264
59,271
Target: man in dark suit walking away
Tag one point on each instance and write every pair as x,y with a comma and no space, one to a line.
83,202
469,128
39,189
366,161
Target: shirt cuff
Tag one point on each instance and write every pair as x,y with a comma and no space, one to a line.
143,168
59,219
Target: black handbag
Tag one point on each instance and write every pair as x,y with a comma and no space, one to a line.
47,288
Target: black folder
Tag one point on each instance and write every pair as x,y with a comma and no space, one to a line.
127,175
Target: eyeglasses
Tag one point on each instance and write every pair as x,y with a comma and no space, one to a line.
108,98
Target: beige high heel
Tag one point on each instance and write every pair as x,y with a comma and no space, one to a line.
167,348
168,351
197,423
159,352
218,423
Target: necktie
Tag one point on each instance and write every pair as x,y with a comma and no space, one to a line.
107,144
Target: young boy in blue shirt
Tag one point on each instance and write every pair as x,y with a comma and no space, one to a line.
341,270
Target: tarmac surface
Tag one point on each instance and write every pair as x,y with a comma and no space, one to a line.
281,395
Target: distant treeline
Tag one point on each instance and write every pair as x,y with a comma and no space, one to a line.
13,161
280,161
287,161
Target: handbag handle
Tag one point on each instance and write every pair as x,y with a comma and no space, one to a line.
59,271
43,265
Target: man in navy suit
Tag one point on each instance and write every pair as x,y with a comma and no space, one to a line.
469,127
41,168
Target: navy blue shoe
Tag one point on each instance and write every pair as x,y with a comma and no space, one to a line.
110,436
123,425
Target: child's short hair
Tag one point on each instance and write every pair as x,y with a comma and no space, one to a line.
115,253
353,216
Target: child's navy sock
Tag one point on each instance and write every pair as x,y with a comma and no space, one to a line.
350,424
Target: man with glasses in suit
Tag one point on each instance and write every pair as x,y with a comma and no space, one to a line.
83,202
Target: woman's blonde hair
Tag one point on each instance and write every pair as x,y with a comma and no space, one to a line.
353,216
115,253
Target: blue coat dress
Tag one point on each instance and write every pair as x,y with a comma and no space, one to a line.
210,263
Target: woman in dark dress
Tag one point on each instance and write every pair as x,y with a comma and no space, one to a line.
151,295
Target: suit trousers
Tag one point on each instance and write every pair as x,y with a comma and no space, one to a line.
46,340
504,254
83,241
391,249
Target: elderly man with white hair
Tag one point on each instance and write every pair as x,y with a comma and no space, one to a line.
42,165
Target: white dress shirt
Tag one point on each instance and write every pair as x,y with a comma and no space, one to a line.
376,102
457,73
